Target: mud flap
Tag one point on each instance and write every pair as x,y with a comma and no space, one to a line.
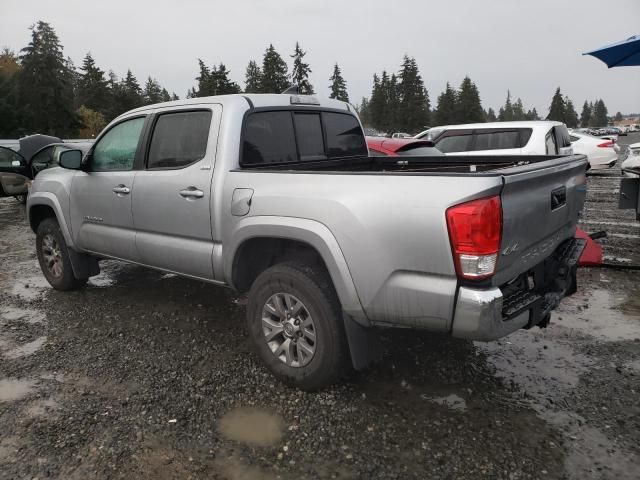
84,266
364,343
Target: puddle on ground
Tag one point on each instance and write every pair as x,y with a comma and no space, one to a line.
30,288
12,389
453,401
23,314
26,349
601,314
251,426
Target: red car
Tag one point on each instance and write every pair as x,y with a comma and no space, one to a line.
396,147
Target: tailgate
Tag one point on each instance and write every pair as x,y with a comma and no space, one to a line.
540,207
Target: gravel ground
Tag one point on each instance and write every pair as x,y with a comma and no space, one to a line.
147,375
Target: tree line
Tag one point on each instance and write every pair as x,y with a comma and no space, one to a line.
41,91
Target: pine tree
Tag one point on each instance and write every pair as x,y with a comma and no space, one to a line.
445,113
506,113
274,72
300,71
412,113
532,115
571,116
45,85
253,78
164,95
600,118
618,117
491,115
214,81
92,88
338,85
364,113
126,94
376,103
10,121
468,108
557,109
585,116
518,111
392,106
153,92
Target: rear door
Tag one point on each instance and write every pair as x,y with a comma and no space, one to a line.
540,207
14,173
173,193
101,217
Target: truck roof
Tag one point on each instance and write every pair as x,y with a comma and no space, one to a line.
256,100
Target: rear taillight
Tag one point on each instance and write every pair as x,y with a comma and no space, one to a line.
475,231
606,144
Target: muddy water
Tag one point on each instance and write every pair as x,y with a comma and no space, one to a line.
251,426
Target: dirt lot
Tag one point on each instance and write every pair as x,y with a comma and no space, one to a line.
147,375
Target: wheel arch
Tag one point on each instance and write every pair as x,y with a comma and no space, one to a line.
44,205
259,242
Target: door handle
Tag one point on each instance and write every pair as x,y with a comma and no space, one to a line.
121,190
191,192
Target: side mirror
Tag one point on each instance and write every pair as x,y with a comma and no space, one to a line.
71,159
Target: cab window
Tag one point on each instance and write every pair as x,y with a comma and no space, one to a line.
116,150
550,143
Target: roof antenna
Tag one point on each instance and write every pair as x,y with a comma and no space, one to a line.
292,90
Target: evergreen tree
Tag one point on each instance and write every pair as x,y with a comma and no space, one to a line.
412,112
468,108
557,109
214,81
164,95
376,103
364,113
618,117
506,113
491,115
518,111
45,85
571,116
532,115
600,118
126,94
445,113
392,106
253,78
153,92
585,116
274,72
10,121
92,88
300,72
174,97
338,85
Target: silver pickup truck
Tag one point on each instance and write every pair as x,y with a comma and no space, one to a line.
277,196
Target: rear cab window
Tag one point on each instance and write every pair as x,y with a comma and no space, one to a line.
291,136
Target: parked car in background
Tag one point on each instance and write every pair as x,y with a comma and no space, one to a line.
631,165
396,147
327,241
401,135
600,152
501,138
34,154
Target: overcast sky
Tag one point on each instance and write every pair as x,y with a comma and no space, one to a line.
529,47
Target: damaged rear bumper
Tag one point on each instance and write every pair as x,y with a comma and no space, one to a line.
489,314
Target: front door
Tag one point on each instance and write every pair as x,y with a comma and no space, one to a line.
14,173
101,217
172,194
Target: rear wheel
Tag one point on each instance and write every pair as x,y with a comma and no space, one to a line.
295,323
54,257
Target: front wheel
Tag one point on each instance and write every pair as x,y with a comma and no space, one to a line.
54,257
295,323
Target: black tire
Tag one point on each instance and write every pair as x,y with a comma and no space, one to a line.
61,278
21,198
313,287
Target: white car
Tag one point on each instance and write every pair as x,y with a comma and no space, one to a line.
535,137
600,152
632,162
